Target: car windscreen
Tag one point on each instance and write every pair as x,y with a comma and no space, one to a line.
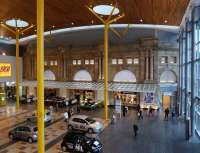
90,120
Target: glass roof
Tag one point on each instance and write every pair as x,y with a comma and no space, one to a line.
113,86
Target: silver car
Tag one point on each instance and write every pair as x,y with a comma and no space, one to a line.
27,132
85,123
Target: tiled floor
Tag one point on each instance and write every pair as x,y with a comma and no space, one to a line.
155,135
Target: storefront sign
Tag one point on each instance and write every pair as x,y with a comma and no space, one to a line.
5,70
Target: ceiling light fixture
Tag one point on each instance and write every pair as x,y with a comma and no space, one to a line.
17,23
105,10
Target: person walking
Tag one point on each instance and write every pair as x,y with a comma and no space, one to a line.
69,113
166,113
138,107
140,116
173,114
135,129
78,108
150,111
124,110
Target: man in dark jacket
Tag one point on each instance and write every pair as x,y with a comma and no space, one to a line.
135,129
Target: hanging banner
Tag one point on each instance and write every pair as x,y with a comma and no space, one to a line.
5,70
149,98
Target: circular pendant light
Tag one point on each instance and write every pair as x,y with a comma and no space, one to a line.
17,23
105,9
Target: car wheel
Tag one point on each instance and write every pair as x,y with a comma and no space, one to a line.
70,128
11,136
64,148
90,130
30,140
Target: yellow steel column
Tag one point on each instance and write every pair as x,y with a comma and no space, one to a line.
17,69
106,27
40,75
106,23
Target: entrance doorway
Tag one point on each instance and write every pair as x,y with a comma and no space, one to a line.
166,102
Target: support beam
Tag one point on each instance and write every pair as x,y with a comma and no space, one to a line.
40,75
106,71
17,70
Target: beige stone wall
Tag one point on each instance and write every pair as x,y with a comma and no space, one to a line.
149,68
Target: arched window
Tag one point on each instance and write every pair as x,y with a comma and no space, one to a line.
124,76
49,75
168,77
82,75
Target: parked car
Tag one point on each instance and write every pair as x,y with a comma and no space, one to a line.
23,99
85,123
27,132
91,105
78,142
72,101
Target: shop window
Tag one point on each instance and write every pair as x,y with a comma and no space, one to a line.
74,62
129,61
55,62
51,63
136,60
79,62
172,60
114,61
87,62
163,60
120,61
92,62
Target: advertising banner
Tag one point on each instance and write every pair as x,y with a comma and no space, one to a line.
148,97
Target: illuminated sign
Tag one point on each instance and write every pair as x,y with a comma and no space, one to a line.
5,70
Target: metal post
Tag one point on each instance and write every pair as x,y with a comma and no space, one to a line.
40,75
17,69
106,27
186,69
192,80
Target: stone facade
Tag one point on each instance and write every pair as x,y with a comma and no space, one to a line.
148,51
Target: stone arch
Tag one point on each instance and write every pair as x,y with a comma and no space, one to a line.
168,76
49,75
82,75
125,76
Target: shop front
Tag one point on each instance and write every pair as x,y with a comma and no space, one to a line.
130,99
168,89
169,95
86,98
7,78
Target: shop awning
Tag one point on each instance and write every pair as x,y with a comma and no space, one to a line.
112,86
